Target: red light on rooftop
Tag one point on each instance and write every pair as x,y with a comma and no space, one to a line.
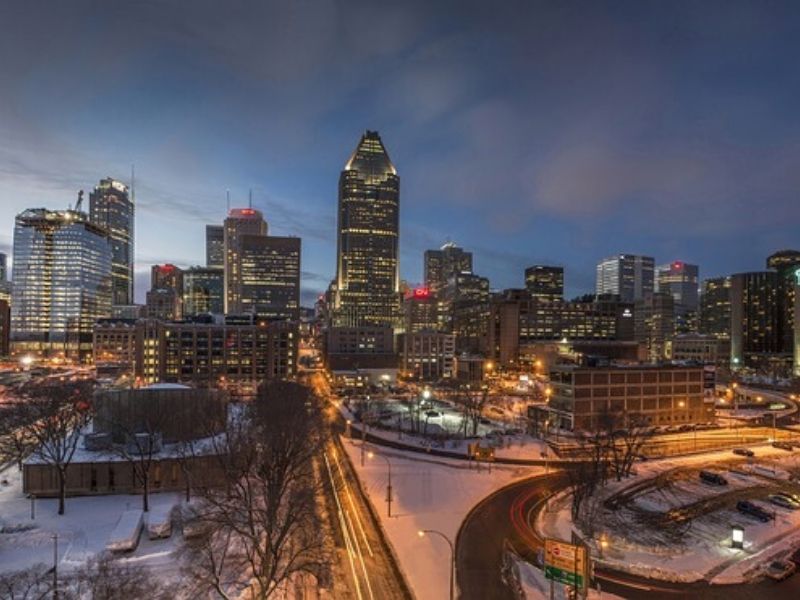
677,264
248,211
421,292
166,268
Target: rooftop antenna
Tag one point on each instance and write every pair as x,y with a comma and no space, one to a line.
133,183
228,197
79,202
251,198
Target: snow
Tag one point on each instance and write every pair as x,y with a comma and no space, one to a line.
703,551
536,587
429,493
83,530
126,533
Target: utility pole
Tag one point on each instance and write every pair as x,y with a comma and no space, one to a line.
55,566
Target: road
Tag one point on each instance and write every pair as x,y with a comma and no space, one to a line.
506,516
366,568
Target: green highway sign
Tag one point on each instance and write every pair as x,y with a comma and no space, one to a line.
568,577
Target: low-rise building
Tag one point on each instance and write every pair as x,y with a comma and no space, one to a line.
591,398
427,355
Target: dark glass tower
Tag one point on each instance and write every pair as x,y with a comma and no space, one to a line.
111,208
367,269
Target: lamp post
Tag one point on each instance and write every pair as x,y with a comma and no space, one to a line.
422,533
737,537
388,485
55,567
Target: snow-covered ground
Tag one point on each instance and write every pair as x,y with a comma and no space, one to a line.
517,446
702,548
82,532
429,493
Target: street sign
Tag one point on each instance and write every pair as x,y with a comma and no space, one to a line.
565,563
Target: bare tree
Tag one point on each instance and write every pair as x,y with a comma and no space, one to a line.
472,404
262,526
627,435
33,583
104,578
590,474
53,416
16,442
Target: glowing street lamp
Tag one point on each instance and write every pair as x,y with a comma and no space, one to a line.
422,533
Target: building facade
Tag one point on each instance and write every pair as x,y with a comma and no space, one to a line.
715,308
427,355
215,246
367,288
626,275
420,311
240,222
654,323
545,283
203,291
757,339
112,209
269,276
62,283
680,280
444,263
601,398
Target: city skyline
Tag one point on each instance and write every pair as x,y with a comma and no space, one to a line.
528,117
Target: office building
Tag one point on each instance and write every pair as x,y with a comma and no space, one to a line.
5,327
240,222
234,354
614,397
706,349
215,246
427,355
111,208
786,264
3,268
654,323
367,290
626,275
545,283
163,303
421,311
363,354
757,340
269,276
679,280
715,308
5,284
444,263
203,291
465,311
166,276
62,283
521,326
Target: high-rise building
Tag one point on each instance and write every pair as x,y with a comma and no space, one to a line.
654,323
215,246
367,290
465,311
786,263
420,311
715,308
442,264
167,276
111,208
5,327
679,280
626,275
5,284
545,283
3,267
756,314
240,222
269,276
203,291
62,282
163,303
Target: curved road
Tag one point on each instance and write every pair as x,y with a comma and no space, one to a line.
505,516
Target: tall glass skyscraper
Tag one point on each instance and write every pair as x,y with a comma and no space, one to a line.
215,246
367,287
441,265
111,208
240,222
62,282
203,291
626,275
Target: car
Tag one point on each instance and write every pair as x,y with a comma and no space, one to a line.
484,421
788,446
713,478
754,510
783,501
793,497
780,569
433,413
744,452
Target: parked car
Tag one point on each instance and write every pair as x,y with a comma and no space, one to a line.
792,497
713,478
783,502
754,510
433,413
744,452
780,569
783,446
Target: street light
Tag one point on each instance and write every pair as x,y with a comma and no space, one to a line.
388,485
737,537
422,533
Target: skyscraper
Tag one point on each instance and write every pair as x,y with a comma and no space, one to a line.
240,222
626,275
786,263
215,246
367,290
442,264
545,283
680,280
715,308
62,276
203,290
270,276
3,267
111,208
756,314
